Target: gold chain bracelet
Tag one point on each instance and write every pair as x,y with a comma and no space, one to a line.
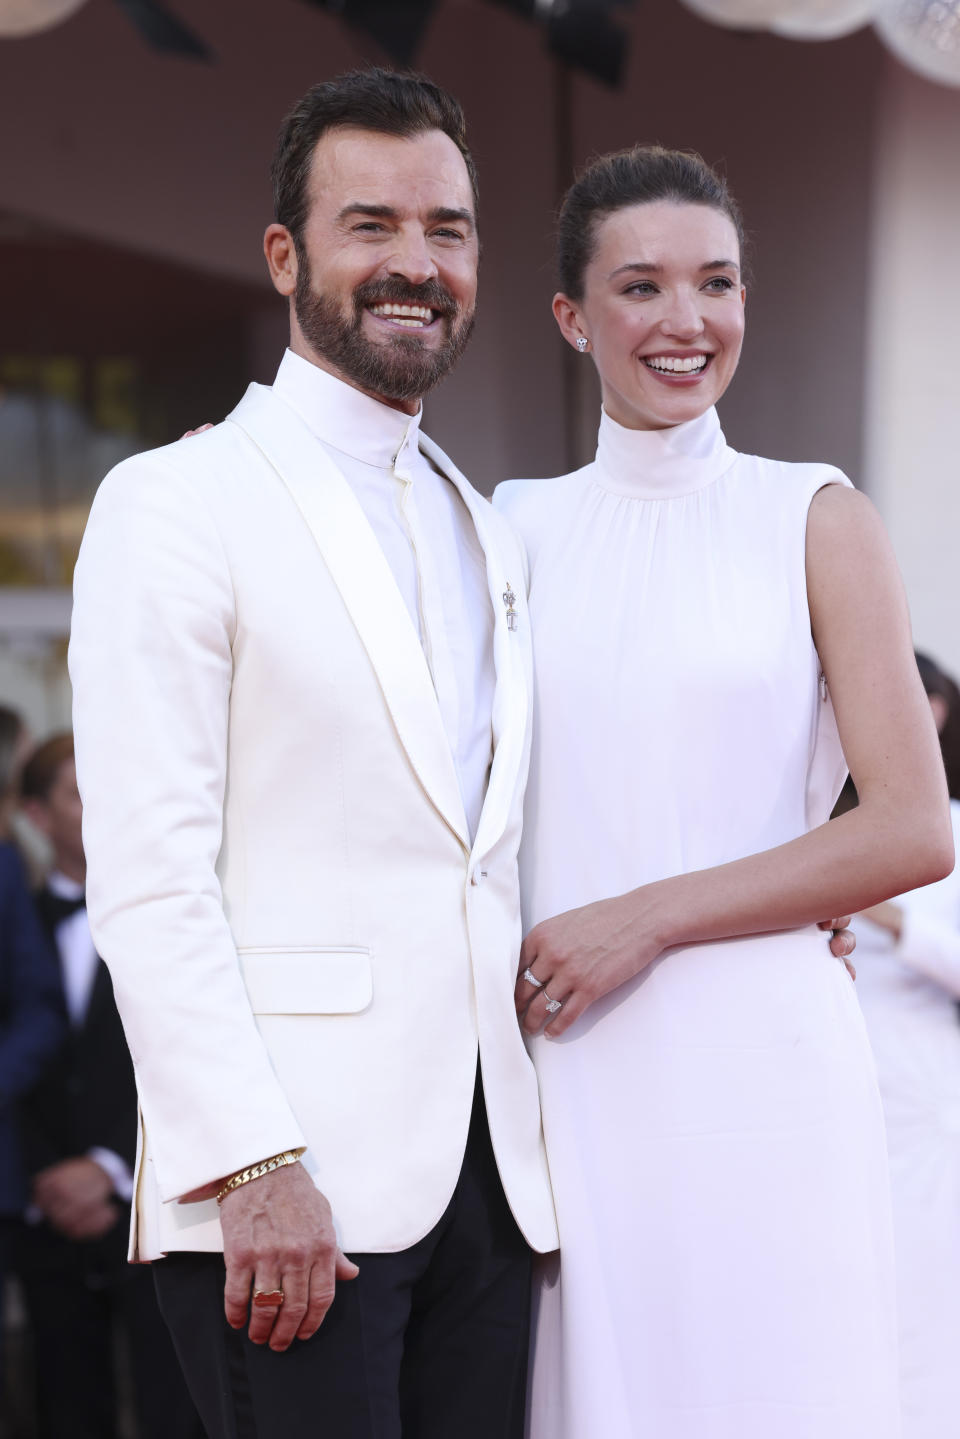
256,1171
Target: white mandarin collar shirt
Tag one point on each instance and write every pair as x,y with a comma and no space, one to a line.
428,537
78,957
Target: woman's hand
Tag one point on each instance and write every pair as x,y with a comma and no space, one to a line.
577,957
581,955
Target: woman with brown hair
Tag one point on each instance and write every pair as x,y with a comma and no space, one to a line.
708,626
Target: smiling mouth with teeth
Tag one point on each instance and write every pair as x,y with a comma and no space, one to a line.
674,365
412,317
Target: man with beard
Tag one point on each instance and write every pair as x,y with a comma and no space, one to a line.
301,670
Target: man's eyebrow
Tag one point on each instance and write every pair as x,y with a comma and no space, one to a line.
452,217
442,213
358,207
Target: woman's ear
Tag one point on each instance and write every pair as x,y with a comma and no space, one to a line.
570,319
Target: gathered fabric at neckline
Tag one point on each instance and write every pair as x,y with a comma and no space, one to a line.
661,464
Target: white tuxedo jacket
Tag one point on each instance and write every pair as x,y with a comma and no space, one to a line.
305,947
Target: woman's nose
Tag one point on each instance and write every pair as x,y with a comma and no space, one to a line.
683,317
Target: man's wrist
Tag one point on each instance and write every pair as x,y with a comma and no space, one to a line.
257,1171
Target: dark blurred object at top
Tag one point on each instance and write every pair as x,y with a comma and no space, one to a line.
398,26
581,33
161,29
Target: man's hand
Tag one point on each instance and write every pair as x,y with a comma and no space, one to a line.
75,1198
278,1234
843,941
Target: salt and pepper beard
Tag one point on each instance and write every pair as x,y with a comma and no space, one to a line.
400,368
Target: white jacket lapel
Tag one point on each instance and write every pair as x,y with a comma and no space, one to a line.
367,587
510,654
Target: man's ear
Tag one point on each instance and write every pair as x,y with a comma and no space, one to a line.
281,255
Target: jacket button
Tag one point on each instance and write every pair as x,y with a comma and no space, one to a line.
478,876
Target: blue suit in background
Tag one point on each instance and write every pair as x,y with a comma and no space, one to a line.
33,1024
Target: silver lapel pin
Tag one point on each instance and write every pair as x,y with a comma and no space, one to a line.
509,600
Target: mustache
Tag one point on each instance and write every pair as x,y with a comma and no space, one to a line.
430,293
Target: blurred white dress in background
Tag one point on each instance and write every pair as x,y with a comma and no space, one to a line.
908,992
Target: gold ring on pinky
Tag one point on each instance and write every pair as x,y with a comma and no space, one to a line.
532,979
552,1004
268,1298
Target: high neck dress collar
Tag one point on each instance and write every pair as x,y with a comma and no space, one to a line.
661,464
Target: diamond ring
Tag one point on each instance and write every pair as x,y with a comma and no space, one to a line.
532,979
552,1004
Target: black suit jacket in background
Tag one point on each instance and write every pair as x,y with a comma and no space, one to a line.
76,1290
87,1098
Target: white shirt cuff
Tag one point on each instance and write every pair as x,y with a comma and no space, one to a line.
118,1171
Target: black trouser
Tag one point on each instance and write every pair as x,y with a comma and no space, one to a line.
428,1343
78,1296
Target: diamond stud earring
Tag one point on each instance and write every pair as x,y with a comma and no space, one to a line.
582,343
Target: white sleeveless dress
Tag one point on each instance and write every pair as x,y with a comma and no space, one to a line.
713,1128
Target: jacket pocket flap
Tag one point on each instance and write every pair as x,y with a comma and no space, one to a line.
307,981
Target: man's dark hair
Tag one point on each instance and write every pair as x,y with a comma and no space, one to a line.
385,101
41,769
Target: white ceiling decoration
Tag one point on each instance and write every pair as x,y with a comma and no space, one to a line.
923,34
822,19
28,17
737,14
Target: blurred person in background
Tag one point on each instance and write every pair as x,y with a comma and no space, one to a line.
908,982
32,1022
79,1129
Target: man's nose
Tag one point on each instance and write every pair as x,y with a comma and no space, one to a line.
411,258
